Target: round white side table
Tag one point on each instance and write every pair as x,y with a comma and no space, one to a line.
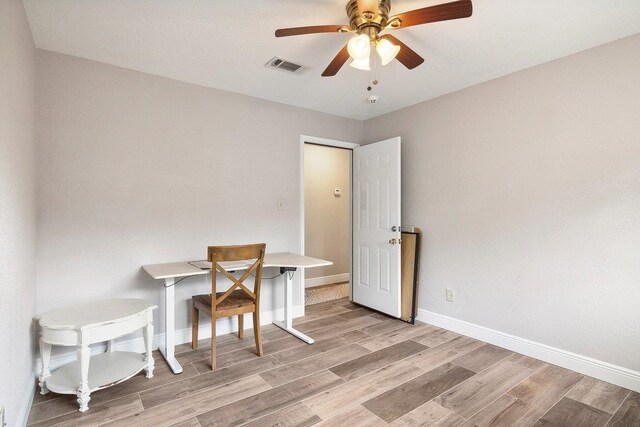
84,324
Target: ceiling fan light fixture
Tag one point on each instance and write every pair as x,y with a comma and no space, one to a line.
386,50
361,64
367,19
359,47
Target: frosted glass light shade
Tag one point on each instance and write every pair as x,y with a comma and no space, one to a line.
361,64
387,50
359,47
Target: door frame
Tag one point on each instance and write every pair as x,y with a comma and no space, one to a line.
304,139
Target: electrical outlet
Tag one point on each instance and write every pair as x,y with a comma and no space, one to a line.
2,423
451,295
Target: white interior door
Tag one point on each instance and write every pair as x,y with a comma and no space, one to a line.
376,226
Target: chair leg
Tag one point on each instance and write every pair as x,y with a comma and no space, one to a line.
240,326
213,341
256,332
195,318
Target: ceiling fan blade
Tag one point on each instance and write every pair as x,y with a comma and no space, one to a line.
406,56
337,63
368,6
442,12
296,31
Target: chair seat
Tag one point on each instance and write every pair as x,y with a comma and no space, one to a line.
237,299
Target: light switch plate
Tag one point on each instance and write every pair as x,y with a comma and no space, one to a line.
451,295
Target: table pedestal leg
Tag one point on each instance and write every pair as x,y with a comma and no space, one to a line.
45,354
84,354
169,326
287,324
148,342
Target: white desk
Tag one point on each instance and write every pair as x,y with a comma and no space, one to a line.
287,262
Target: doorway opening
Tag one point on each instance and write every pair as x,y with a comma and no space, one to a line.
326,217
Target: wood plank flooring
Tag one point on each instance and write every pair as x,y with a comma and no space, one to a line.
364,369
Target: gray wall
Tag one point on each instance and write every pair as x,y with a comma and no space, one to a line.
137,169
17,208
326,217
528,191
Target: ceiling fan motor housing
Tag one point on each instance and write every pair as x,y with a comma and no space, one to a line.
371,27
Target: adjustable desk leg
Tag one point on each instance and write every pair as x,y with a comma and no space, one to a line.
169,326
287,324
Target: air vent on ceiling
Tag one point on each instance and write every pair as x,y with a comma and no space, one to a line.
284,65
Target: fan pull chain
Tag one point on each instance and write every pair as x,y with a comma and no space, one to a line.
373,70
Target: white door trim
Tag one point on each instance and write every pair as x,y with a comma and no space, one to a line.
331,143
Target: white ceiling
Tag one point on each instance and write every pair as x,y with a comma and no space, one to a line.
225,43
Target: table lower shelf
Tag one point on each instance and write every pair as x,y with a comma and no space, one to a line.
105,370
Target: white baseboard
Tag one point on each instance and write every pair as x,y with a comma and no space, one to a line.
326,280
23,416
585,365
135,341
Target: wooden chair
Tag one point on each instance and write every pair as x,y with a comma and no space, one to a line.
237,300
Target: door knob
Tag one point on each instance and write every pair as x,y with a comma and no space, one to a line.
393,241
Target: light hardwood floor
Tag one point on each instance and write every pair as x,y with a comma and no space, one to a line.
364,370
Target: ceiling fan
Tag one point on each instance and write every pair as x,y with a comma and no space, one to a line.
367,19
